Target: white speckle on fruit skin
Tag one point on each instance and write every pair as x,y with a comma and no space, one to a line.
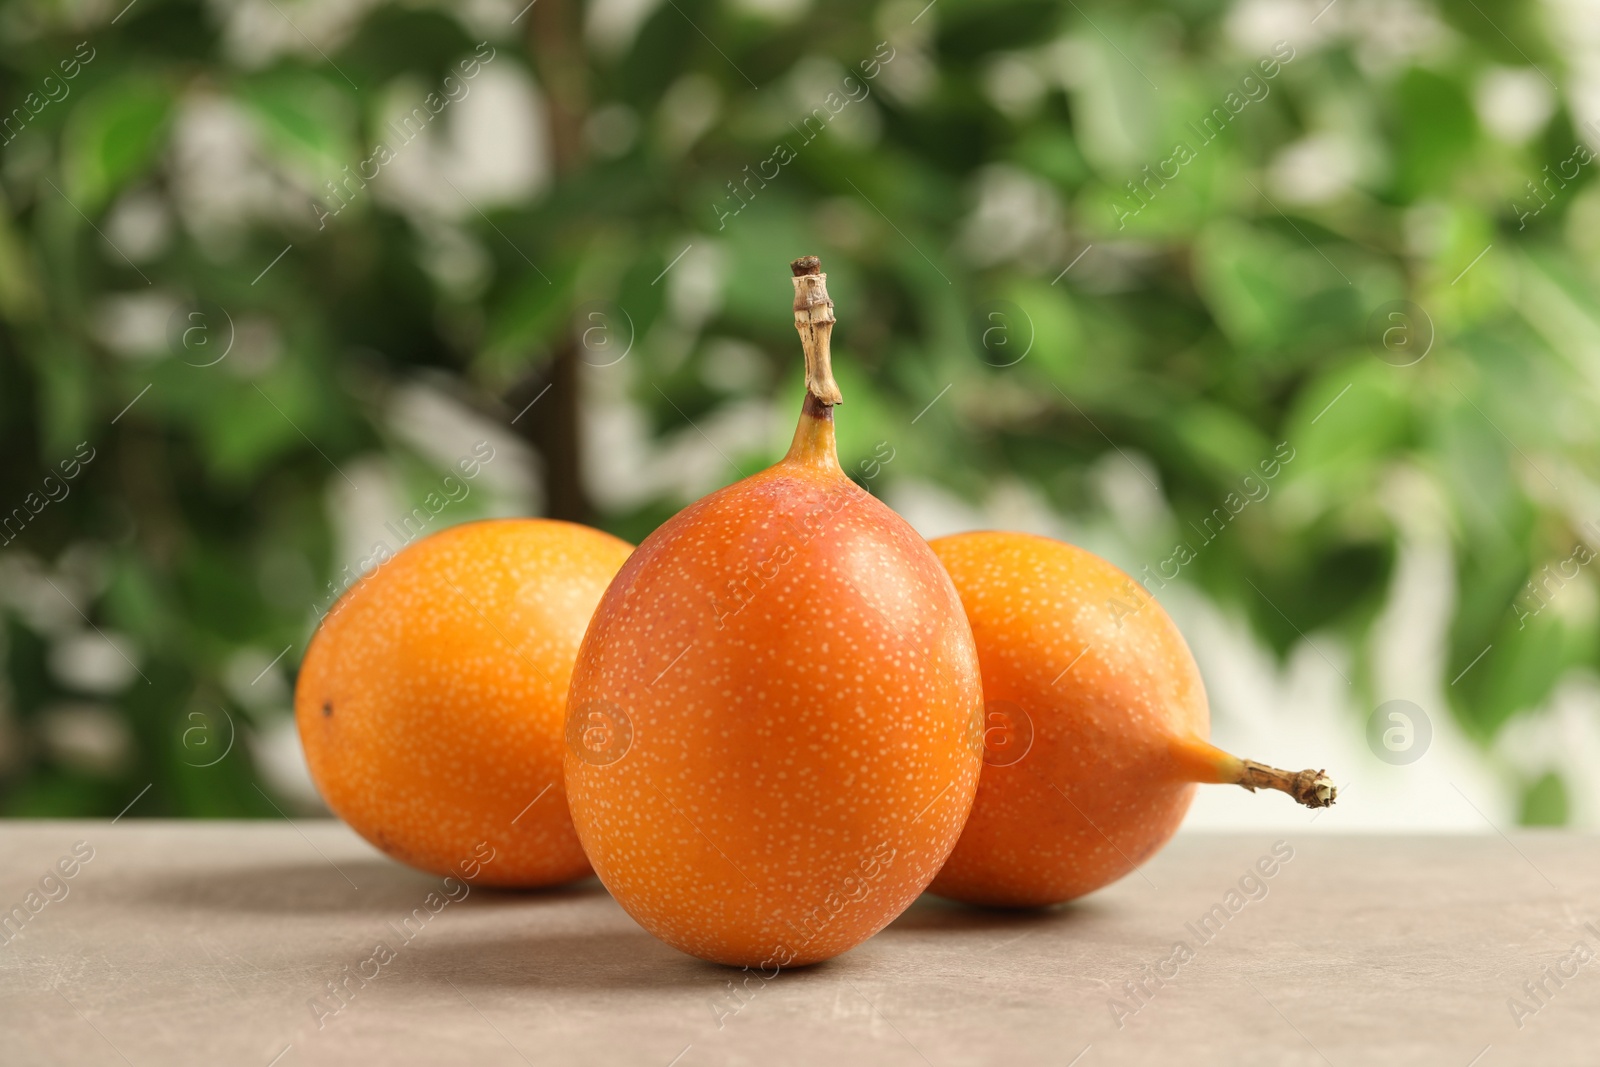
802,684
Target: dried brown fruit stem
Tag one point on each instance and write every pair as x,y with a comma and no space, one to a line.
1314,789
813,317
1201,761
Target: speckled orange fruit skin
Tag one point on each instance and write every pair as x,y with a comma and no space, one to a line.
1114,712
803,695
431,701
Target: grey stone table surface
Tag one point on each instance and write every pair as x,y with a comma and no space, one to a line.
220,943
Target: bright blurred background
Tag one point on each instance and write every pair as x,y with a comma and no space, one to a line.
1292,303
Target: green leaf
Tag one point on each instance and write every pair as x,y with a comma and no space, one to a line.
1220,439
306,120
1544,803
1342,428
1436,131
113,137
1252,280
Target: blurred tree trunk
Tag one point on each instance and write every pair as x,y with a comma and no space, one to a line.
552,426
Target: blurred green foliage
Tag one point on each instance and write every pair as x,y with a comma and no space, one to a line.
987,184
